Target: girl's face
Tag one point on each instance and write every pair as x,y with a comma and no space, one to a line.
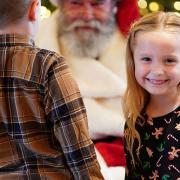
157,61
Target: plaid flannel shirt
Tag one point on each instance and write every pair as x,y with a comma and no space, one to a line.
43,122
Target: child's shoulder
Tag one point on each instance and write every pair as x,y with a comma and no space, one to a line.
44,56
40,62
47,58
45,53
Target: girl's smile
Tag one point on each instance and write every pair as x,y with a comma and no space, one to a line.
156,82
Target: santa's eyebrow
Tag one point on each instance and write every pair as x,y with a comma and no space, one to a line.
93,1
98,1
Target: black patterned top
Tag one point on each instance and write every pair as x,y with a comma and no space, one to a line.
159,156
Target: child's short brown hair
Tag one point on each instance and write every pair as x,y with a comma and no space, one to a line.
12,11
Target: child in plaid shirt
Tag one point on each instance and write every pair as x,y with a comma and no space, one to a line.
43,122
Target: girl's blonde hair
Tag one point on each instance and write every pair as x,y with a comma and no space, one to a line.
136,98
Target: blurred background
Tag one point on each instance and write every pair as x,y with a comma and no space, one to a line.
145,6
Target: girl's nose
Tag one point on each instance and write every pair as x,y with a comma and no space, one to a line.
157,69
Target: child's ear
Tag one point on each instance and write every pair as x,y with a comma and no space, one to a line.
33,9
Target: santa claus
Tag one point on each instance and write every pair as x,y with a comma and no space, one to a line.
91,34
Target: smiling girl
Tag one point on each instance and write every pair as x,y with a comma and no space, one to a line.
152,98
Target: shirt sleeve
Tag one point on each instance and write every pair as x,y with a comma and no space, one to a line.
65,108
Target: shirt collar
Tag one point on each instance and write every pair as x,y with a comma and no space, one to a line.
16,39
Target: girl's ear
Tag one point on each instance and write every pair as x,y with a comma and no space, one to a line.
33,9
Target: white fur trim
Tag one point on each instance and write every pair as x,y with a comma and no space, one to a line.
101,82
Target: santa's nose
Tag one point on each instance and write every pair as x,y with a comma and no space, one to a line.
86,12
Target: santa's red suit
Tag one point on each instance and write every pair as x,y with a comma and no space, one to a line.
103,82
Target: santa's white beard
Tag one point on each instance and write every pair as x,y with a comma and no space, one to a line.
87,43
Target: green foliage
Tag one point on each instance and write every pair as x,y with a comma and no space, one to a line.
48,5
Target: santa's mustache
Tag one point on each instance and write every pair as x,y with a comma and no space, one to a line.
91,24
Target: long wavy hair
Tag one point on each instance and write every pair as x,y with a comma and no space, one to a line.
136,98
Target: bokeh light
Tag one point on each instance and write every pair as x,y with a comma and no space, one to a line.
154,6
177,5
142,4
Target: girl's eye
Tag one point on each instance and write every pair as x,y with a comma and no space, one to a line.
146,59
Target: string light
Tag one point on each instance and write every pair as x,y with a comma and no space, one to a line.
177,5
154,6
142,4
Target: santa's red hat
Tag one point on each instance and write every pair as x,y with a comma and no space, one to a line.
127,12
